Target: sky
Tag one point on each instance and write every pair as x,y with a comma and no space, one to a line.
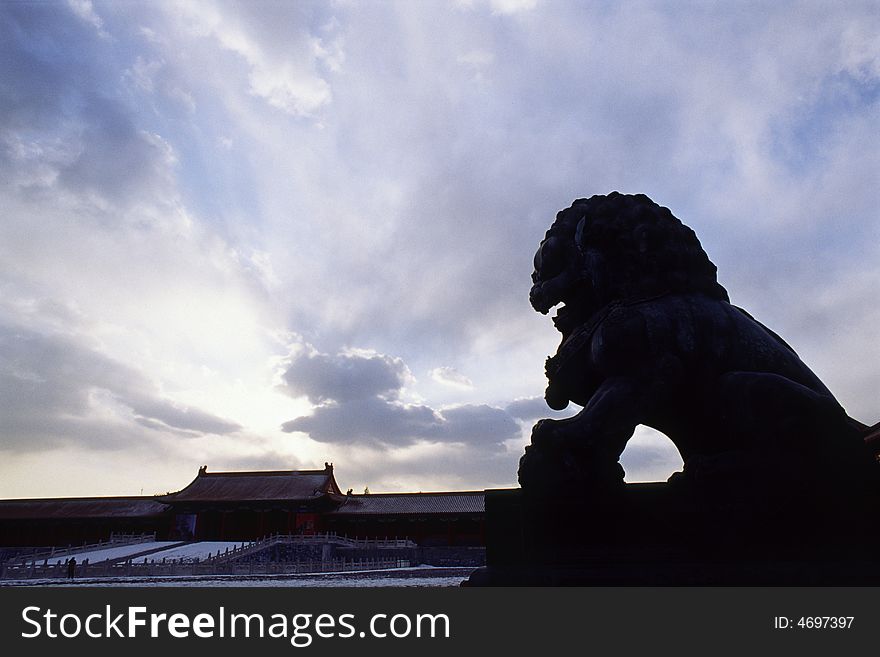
270,235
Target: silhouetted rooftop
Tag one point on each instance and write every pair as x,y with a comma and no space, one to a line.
257,486
81,507
413,503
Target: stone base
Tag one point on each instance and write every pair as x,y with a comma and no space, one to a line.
661,535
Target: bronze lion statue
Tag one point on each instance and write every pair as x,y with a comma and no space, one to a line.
650,337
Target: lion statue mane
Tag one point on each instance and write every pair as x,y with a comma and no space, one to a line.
650,337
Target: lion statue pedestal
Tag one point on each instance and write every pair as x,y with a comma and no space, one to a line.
775,471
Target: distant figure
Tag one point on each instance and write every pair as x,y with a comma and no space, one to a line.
71,568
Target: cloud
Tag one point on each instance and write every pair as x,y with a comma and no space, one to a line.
61,137
649,456
451,377
380,422
427,467
164,414
113,159
85,11
345,377
143,73
358,396
54,390
476,424
501,7
283,55
511,6
368,421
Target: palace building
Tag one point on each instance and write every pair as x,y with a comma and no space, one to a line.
245,506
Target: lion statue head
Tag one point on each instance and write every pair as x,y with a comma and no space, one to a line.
616,247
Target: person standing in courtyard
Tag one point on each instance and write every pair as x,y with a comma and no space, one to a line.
71,568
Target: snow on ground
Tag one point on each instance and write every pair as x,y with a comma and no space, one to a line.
119,552
415,576
192,551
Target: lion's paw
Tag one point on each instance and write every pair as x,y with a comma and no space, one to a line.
547,433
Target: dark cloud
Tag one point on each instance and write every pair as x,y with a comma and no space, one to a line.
367,421
377,421
344,377
359,404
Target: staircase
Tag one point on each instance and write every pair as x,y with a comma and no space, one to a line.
329,539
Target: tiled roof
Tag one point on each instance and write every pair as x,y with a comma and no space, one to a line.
413,503
871,434
256,486
81,507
